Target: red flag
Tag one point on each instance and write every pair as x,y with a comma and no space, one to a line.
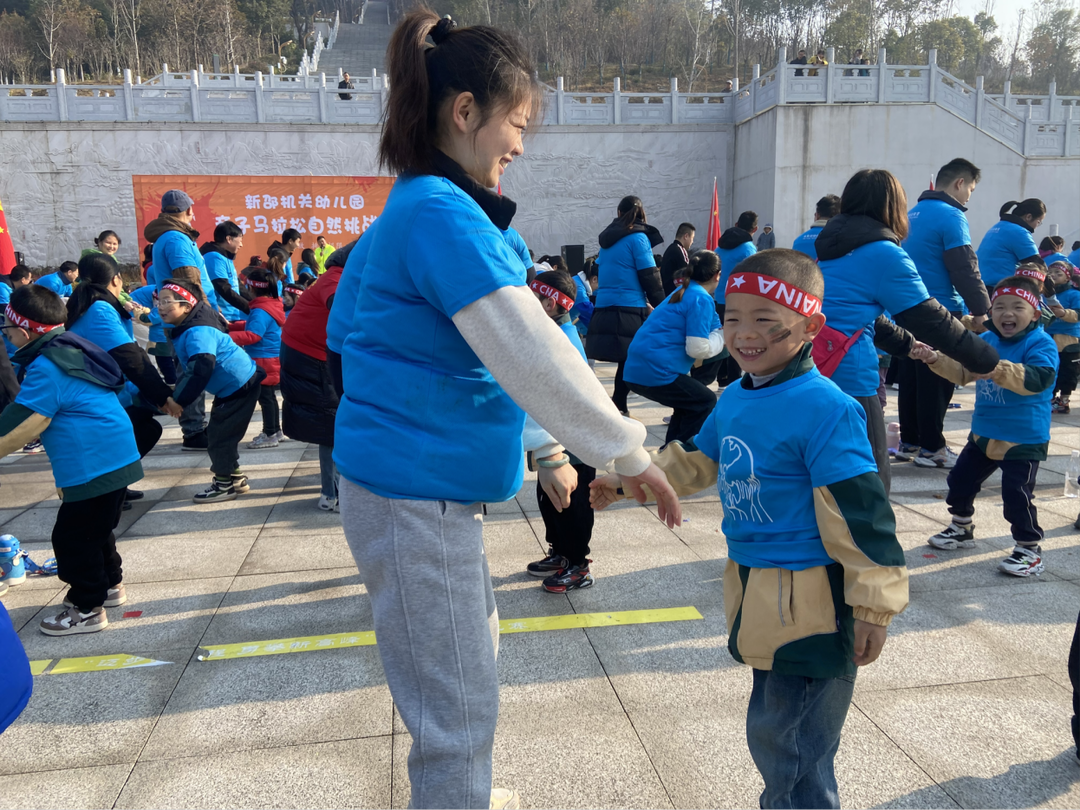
713,239
7,249
931,182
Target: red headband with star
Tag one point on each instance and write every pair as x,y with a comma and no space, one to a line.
785,294
1030,297
176,288
21,321
546,290
1031,272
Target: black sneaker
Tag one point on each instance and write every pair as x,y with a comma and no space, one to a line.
570,578
196,442
551,564
217,491
134,495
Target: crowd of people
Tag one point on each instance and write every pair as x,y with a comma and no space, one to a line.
456,358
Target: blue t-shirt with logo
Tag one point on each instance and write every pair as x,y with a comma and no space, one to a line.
89,435
937,226
54,282
1005,415
806,242
1070,299
775,445
1001,250
418,397
657,353
869,280
619,266
232,368
174,249
220,266
729,260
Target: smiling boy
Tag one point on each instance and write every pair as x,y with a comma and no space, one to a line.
1010,429
815,573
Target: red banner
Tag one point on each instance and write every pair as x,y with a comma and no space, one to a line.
339,208
7,249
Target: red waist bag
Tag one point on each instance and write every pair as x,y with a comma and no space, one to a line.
829,348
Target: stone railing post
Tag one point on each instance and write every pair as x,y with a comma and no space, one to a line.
882,76
932,66
754,77
674,100
236,78
324,104
260,111
195,96
129,99
1051,110
1068,132
560,95
1007,100
61,95
980,101
1027,129
616,107
164,74
829,68
781,76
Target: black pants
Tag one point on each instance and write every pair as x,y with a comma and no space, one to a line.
923,402
271,412
1074,678
85,548
167,366
879,440
569,531
147,429
621,390
229,420
1068,370
1017,483
692,401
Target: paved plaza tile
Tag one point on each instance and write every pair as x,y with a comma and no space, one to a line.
968,706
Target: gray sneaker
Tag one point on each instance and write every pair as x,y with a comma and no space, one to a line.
115,598
72,622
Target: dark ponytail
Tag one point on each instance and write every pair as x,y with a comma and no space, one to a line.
704,265
96,272
489,63
631,211
1031,206
263,284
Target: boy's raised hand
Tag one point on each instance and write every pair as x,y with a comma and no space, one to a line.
604,491
869,639
667,502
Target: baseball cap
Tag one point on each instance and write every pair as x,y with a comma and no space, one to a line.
175,201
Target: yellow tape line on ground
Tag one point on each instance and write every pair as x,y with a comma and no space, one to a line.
283,646
94,663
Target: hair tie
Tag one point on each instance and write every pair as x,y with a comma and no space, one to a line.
442,30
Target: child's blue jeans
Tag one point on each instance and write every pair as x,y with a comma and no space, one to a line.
793,729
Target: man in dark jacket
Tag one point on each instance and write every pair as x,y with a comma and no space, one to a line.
940,246
676,257
800,60
345,84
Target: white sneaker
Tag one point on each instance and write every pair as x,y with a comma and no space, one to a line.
262,441
1023,562
944,458
281,437
504,799
955,536
328,504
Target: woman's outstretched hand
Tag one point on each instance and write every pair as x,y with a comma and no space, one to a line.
667,502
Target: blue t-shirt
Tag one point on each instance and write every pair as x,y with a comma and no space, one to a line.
729,260
174,249
517,244
1056,257
775,445
146,296
873,278
1074,258
55,283
1070,299
806,242
5,297
340,322
657,353
1005,415
219,266
89,435
619,265
1001,250
418,398
937,227
262,323
102,324
233,367
14,673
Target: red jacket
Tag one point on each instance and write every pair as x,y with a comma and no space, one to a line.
305,330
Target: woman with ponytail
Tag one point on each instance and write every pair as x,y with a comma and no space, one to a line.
94,312
453,347
684,329
1010,242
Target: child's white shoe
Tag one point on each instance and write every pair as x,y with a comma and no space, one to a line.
262,441
328,504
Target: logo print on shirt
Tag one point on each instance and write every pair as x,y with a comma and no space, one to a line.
740,489
990,392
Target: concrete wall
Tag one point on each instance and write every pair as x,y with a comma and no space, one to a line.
818,147
61,184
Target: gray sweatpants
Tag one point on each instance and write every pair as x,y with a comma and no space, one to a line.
424,567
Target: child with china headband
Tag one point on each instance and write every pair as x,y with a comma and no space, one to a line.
815,573
68,398
1010,429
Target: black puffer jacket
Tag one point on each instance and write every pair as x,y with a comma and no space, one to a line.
310,401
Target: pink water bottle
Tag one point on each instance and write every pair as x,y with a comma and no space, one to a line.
893,432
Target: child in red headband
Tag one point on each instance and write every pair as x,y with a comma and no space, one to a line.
815,573
1010,429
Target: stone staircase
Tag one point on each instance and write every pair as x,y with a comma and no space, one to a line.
359,49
